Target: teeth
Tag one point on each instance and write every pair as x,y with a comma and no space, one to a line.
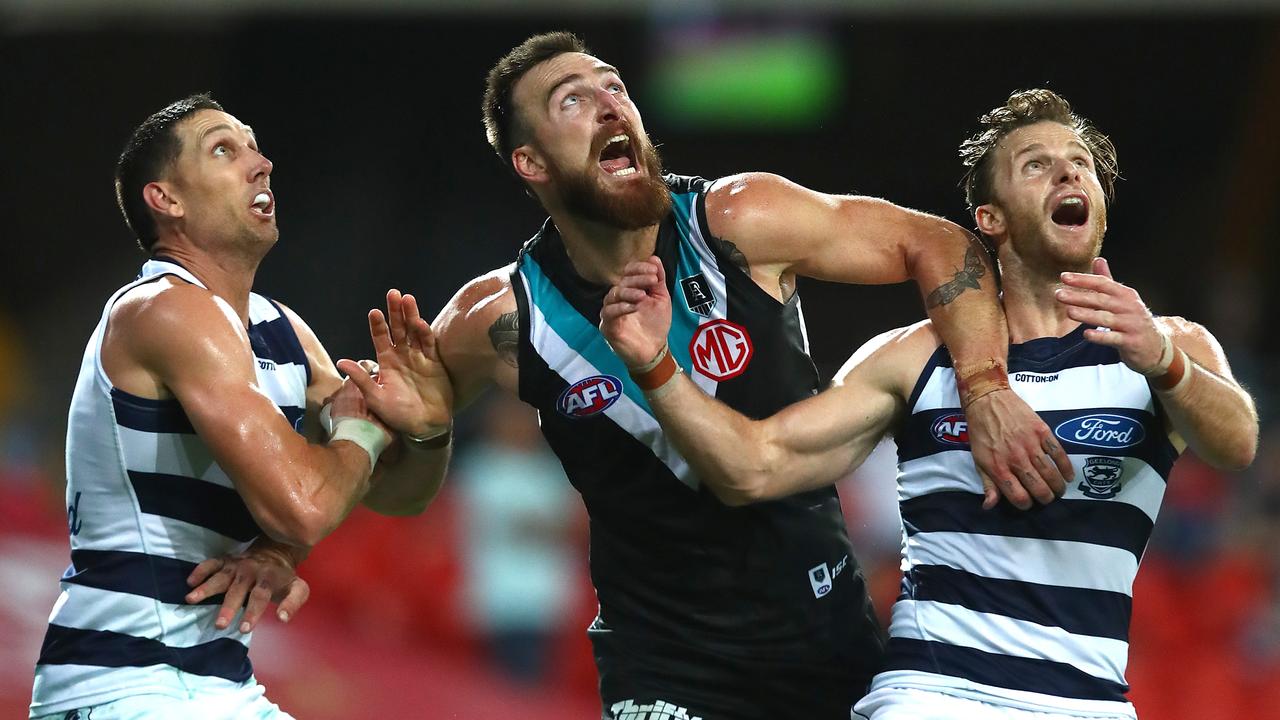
1073,201
261,201
625,171
616,139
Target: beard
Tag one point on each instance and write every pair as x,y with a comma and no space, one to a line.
636,205
1049,255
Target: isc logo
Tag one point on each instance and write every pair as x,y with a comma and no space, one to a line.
720,349
952,429
589,396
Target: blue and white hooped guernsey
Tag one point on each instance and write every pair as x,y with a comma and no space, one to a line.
145,503
1028,609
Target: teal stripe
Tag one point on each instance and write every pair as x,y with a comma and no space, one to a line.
581,336
684,322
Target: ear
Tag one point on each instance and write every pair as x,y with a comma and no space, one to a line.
528,165
159,197
991,221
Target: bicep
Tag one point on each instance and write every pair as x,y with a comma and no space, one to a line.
844,238
478,338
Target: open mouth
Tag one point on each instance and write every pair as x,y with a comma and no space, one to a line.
616,157
264,204
1072,211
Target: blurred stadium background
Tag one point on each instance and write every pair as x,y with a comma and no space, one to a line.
370,112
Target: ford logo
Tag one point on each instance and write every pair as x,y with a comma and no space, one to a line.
1102,431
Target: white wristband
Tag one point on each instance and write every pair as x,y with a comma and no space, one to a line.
368,436
1166,358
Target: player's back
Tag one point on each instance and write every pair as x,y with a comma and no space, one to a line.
1028,608
146,502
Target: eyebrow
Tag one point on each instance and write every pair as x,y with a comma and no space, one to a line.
571,77
223,126
1040,146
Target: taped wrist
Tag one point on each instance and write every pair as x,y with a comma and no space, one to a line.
656,372
1176,374
368,436
980,379
1163,365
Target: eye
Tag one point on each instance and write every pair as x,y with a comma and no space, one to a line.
220,150
615,88
569,100
1082,163
1034,165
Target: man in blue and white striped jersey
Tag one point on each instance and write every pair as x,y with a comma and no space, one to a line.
1004,613
185,441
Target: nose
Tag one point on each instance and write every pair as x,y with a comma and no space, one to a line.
1066,171
261,168
608,107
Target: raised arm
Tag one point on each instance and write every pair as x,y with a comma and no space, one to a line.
1185,365
184,342
807,445
781,230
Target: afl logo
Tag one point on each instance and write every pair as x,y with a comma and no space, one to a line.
721,349
952,429
1103,431
589,396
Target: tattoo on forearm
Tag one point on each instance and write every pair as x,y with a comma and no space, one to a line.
504,333
735,255
974,267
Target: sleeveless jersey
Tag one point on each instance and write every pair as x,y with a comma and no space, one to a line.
1028,608
145,503
669,561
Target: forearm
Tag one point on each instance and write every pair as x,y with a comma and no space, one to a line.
1215,416
955,278
408,477
316,493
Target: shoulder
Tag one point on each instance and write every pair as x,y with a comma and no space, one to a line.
894,358
169,309
735,200
479,303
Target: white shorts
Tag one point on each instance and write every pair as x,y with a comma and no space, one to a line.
247,701
894,703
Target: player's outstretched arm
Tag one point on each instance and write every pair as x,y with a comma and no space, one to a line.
194,345
410,392
1183,361
782,229
807,445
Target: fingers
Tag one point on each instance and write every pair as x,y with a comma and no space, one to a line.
1102,337
234,599
1010,487
366,383
380,333
990,495
1087,281
1053,449
211,577
1051,475
259,599
395,316
1101,318
614,310
1102,267
299,592
1093,300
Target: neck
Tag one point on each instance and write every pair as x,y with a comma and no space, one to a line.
1029,304
599,252
227,275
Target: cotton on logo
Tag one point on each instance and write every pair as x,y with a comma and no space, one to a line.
589,396
721,349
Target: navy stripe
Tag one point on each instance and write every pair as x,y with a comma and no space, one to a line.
152,576
293,334
1015,673
211,506
276,340
293,415
147,415
1115,524
917,439
224,657
1077,610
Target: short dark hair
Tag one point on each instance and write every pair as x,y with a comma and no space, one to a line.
151,148
503,125
1027,107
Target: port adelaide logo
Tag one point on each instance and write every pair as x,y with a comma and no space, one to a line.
1102,477
589,396
698,295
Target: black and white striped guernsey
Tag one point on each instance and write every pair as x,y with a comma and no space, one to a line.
671,563
1028,609
145,503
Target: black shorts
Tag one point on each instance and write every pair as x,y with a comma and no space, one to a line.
668,682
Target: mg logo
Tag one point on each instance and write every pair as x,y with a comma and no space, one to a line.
721,349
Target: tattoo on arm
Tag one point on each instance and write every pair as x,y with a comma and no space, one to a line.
974,267
504,333
735,255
